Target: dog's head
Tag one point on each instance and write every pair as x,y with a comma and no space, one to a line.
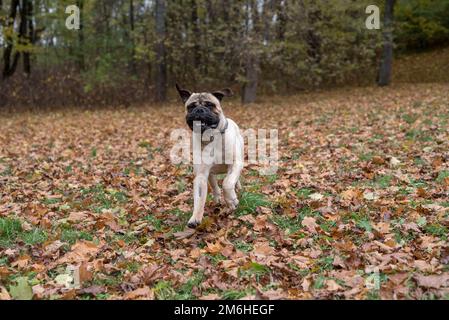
204,107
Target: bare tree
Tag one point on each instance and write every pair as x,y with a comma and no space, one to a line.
387,53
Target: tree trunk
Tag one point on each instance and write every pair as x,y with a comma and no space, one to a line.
8,67
252,77
132,27
252,59
196,35
28,30
313,39
80,53
161,67
282,20
387,54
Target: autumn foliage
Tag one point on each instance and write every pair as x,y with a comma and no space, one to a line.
92,208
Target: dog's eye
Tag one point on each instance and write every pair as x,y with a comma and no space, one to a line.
210,105
191,107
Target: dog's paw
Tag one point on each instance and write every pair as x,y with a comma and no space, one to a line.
232,204
193,223
217,200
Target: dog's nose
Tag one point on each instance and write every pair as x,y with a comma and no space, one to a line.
200,110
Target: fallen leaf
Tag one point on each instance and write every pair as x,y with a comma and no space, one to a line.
310,224
77,216
316,196
22,290
141,293
184,234
4,295
432,281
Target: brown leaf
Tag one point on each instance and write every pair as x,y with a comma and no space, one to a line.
210,296
214,248
263,249
184,233
4,273
432,281
22,262
81,251
84,273
77,216
4,294
94,290
331,285
310,224
144,293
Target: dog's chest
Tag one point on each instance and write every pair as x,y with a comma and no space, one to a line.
220,148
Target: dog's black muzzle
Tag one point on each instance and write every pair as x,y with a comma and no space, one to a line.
208,119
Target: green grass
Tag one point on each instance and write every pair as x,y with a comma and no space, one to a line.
164,290
216,258
410,118
383,181
418,183
3,261
293,225
50,201
319,282
234,294
361,220
185,291
442,175
417,135
155,222
70,235
250,201
34,236
366,156
325,263
255,270
101,198
301,272
11,231
304,193
182,216
243,246
112,280
437,229
364,224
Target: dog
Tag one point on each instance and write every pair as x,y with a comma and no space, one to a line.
204,111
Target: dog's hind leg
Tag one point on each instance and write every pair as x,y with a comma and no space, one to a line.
238,186
216,191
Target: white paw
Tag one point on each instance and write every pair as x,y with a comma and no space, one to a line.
217,199
193,223
232,203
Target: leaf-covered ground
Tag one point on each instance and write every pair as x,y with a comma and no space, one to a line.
92,208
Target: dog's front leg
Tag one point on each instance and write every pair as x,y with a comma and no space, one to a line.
229,184
199,199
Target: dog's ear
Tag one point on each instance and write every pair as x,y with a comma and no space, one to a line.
222,93
183,93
